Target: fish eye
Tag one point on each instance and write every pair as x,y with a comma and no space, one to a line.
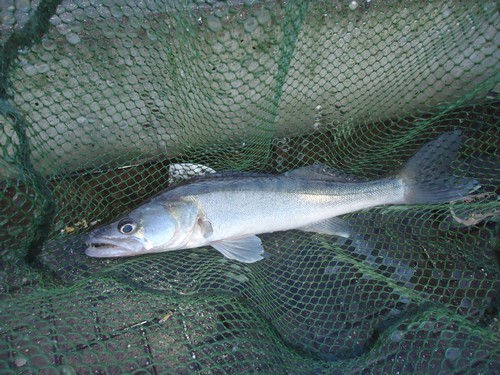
127,226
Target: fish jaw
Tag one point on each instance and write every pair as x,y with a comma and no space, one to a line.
98,247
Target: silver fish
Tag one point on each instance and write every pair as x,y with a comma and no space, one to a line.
227,211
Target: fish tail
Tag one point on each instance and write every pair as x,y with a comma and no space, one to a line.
428,176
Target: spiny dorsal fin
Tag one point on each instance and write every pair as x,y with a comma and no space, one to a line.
186,171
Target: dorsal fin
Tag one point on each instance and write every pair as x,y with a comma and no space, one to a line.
318,171
185,171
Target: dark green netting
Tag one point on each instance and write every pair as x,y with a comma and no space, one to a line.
99,98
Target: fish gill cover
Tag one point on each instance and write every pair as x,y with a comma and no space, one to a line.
99,99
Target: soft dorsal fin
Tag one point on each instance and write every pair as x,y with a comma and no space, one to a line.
318,171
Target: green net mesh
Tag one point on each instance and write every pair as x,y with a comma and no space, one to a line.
98,98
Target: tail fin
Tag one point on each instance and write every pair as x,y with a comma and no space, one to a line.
428,176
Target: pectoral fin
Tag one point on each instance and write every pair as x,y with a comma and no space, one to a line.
206,227
244,249
333,226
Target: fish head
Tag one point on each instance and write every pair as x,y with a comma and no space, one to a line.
150,228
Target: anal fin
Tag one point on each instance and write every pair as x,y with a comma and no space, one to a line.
333,226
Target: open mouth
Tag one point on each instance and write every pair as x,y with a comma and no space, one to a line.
97,245
103,248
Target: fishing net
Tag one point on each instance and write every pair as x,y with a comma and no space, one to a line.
99,98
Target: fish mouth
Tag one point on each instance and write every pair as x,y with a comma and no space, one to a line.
110,248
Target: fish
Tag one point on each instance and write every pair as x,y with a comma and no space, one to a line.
228,211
